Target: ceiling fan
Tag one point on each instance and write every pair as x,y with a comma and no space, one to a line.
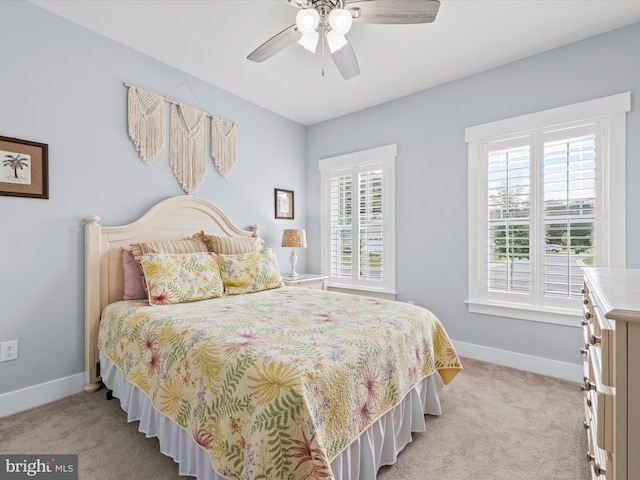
330,20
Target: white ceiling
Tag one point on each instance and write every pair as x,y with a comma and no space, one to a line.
211,40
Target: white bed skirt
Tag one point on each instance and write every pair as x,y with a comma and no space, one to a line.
379,445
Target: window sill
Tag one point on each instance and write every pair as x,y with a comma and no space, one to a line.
557,316
388,295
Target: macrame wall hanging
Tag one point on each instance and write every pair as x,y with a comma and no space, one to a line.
224,143
187,146
187,138
146,122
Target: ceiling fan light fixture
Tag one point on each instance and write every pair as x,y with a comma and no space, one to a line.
307,20
310,41
340,20
335,41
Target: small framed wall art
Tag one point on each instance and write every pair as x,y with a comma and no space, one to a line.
24,169
283,203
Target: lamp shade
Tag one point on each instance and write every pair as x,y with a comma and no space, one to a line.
294,238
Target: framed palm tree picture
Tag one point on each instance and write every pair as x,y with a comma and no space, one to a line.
24,168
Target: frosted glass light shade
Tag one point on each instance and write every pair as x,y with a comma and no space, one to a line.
310,41
307,20
335,41
340,20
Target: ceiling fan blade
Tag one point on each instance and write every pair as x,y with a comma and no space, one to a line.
393,11
300,3
346,62
275,44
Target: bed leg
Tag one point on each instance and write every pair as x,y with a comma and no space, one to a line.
92,387
109,394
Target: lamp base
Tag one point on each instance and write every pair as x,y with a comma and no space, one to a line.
293,259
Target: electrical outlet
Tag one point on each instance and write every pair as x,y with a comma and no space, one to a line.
9,350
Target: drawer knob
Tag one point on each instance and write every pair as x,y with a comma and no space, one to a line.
585,425
587,315
584,351
586,301
584,323
597,469
589,402
595,340
587,386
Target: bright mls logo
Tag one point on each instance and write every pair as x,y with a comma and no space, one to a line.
50,467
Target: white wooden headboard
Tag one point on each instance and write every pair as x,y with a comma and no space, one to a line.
172,219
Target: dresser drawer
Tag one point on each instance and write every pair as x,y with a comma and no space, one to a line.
601,400
601,461
599,334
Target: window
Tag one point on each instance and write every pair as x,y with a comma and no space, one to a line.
546,200
358,219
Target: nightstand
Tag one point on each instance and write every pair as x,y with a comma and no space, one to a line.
306,280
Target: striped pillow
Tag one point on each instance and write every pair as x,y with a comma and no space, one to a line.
188,245
229,245
234,246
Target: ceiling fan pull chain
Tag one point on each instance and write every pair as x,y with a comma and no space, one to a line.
324,57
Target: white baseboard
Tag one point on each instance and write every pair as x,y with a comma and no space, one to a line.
520,361
30,397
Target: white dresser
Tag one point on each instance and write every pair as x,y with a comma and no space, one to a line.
611,327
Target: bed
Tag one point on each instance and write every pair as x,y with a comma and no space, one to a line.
274,382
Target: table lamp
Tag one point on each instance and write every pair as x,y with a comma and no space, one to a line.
294,238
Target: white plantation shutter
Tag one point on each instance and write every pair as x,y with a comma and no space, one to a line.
509,212
341,226
370,225
569,179
546,201
563,164
358,219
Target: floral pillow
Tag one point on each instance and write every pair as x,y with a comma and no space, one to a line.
188,245
179,278
250,272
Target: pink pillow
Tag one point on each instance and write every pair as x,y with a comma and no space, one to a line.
133,288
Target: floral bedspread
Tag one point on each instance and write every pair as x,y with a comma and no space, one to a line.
275,384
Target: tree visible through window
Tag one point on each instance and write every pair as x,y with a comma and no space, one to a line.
567,171
546,201
358,212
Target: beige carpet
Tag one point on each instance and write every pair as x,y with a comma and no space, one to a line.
497,423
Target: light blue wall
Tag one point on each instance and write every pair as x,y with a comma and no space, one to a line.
431,175
63,85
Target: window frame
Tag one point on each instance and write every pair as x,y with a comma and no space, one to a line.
610,112
381,157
